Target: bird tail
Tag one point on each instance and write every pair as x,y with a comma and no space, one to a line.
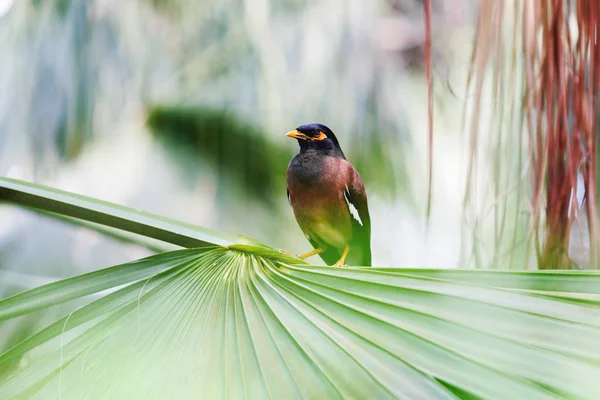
359,255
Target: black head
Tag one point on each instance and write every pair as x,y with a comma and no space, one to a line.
316,137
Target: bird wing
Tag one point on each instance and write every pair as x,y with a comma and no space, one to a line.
356,199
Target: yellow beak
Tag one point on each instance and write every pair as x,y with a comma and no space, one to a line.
297,135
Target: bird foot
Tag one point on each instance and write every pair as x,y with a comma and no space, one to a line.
341,262
309,254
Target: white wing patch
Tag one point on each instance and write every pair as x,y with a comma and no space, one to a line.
351,207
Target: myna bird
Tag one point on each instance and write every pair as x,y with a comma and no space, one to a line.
329,199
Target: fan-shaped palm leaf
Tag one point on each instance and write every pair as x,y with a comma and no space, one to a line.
246,321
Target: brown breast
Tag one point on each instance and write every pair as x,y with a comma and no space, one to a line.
317,198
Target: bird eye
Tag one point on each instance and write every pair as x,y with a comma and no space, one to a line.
320,136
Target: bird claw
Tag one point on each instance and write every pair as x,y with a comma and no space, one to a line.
284,252
341,263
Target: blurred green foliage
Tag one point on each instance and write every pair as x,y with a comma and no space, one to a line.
235,148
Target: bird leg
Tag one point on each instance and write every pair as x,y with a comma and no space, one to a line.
310,253
341,261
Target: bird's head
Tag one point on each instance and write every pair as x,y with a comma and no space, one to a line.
316,137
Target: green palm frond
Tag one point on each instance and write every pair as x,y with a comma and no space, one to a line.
101,212
246,321
237,323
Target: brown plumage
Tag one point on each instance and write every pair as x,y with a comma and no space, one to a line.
328,198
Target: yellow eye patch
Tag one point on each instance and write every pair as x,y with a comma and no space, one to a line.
321,136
